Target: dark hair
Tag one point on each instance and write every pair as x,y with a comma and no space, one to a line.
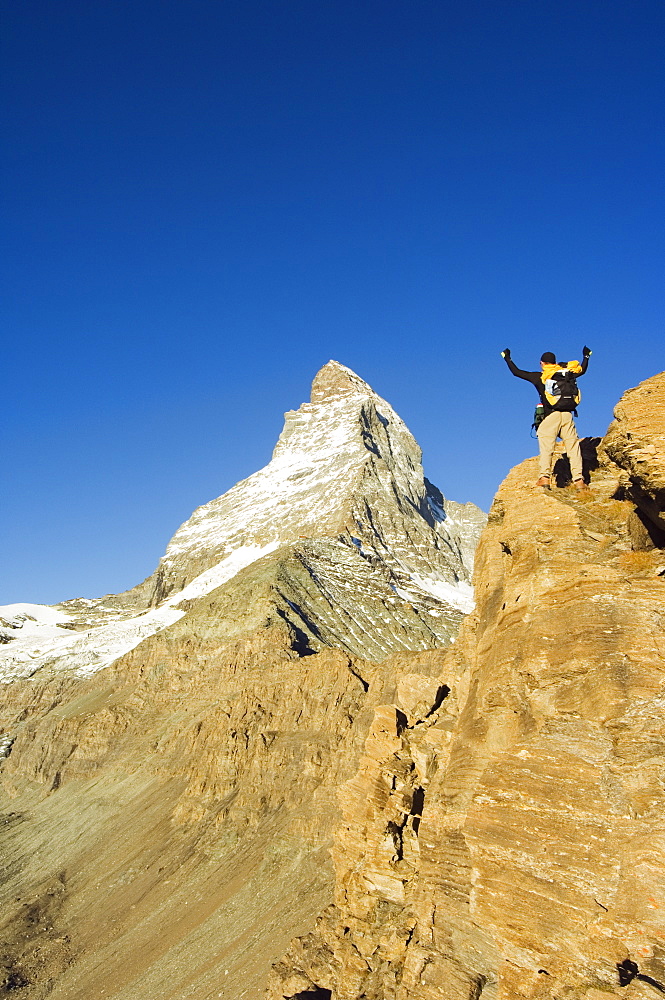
548,358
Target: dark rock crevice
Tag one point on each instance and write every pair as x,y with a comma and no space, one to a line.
629,970
317,993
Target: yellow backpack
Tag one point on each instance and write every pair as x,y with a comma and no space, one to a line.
560,384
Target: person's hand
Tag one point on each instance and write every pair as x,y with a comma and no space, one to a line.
586,351
506,353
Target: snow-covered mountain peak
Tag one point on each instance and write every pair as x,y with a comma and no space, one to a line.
344,455
345,496
345,417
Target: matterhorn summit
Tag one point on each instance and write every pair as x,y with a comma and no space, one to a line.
340,538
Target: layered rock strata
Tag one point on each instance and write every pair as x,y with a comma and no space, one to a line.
503,835
166,822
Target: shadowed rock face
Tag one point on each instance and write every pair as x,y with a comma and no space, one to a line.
506,840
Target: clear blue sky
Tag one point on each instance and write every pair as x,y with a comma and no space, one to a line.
205,200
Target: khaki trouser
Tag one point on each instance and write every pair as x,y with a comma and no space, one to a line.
559,425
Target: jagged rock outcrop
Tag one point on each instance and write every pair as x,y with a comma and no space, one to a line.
636,442
169,758
503,836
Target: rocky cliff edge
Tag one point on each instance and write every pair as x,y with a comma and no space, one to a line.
504,834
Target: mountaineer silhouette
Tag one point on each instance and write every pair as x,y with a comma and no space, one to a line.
556,386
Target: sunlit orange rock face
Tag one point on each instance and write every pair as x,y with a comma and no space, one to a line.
504,834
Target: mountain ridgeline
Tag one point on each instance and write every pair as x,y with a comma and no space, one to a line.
268,771
340,538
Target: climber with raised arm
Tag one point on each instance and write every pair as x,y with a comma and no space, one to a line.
559,396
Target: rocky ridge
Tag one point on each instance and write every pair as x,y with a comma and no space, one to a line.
502,837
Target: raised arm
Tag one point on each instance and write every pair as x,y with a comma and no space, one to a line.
533,377
586,354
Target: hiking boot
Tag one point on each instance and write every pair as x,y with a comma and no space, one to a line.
581,486
544,481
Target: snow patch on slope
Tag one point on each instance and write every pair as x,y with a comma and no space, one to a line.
44,642
222,572
459,595
30,615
